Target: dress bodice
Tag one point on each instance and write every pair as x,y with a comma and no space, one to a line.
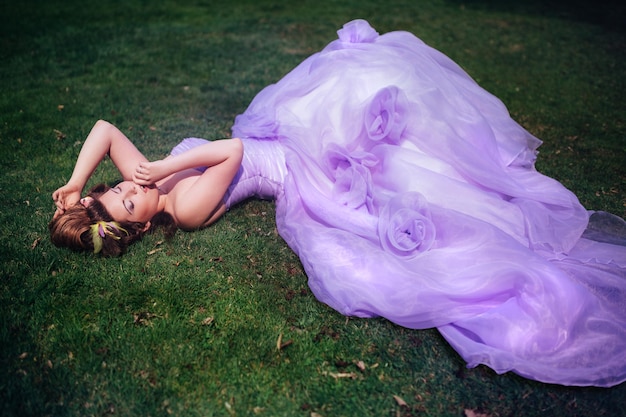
261,174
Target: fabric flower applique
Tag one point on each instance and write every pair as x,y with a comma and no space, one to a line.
386,115
357,31
405,227
352,185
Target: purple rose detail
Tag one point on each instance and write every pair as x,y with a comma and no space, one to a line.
357,31
352,178
385,117
405,227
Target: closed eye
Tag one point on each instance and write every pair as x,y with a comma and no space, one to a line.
129,206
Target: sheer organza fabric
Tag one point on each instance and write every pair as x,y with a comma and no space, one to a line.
409,193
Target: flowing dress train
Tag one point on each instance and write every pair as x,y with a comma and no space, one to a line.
409,193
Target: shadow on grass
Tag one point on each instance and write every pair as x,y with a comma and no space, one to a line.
608,14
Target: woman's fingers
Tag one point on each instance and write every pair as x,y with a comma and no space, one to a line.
139,175
142,171
141,179
58,198
57,213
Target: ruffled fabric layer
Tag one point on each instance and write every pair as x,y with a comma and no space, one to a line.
411,194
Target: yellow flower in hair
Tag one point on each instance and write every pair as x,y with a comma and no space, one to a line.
101,229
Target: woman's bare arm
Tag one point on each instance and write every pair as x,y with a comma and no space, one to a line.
207,155
199,203
104,139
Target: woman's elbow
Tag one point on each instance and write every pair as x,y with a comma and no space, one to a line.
237,148
102,124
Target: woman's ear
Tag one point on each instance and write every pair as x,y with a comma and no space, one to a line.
146,226
86,201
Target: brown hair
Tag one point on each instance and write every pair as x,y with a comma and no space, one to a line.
73,228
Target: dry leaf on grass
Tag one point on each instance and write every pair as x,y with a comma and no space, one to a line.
338,375
143,318
360,365
280,345
400,401
472,413
59,135
285,344
35,243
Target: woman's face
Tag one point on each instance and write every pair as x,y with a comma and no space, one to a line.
129,202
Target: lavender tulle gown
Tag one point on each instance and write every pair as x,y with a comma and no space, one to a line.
409,193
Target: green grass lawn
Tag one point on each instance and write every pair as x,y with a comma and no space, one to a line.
220,322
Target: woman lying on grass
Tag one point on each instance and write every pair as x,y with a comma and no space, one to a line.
108,219
408,192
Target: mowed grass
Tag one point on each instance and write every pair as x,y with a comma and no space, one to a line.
221,322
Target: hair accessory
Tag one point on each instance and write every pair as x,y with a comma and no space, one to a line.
101,229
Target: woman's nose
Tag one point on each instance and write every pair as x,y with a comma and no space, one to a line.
132,189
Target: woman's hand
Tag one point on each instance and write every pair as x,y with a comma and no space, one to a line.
65,197
147,173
